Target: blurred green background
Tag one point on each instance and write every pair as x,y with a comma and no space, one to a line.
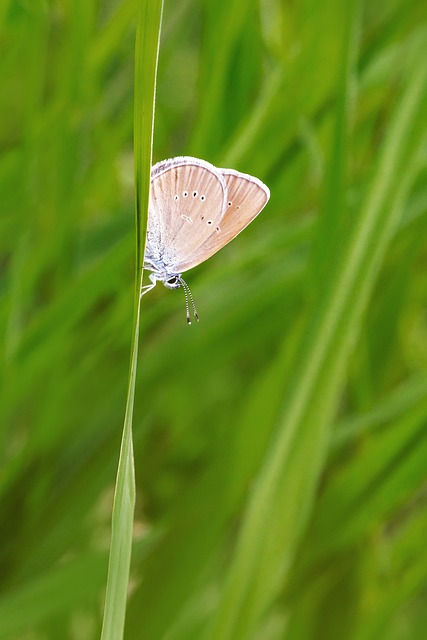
310,97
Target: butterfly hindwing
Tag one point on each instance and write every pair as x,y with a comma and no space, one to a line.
246,196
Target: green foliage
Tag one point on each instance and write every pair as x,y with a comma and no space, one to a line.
280,444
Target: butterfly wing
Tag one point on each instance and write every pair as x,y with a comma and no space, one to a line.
246,197
188,200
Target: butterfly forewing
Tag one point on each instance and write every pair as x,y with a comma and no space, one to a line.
246,197
188,200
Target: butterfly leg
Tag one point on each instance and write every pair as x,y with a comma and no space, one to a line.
146,288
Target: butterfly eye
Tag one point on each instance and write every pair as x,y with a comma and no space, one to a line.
185,194
230,203
209,221
194,194
202,198
176,197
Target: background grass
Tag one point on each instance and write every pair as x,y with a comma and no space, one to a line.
280,444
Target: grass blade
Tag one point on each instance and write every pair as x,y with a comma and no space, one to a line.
284,490
146,56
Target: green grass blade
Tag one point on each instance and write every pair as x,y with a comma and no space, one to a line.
146,56
283,493
122,519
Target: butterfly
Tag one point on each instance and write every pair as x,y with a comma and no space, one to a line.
195,209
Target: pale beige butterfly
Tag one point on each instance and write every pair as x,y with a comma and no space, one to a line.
195,209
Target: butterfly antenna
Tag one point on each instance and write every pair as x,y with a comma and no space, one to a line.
188,296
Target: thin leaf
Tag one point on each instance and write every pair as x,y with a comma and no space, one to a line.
146,56
284,490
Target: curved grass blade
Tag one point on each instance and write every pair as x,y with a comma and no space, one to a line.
281,500
146,56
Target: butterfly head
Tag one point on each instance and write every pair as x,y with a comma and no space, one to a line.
173,282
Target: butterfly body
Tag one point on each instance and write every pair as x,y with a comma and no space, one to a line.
160,272
195,209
